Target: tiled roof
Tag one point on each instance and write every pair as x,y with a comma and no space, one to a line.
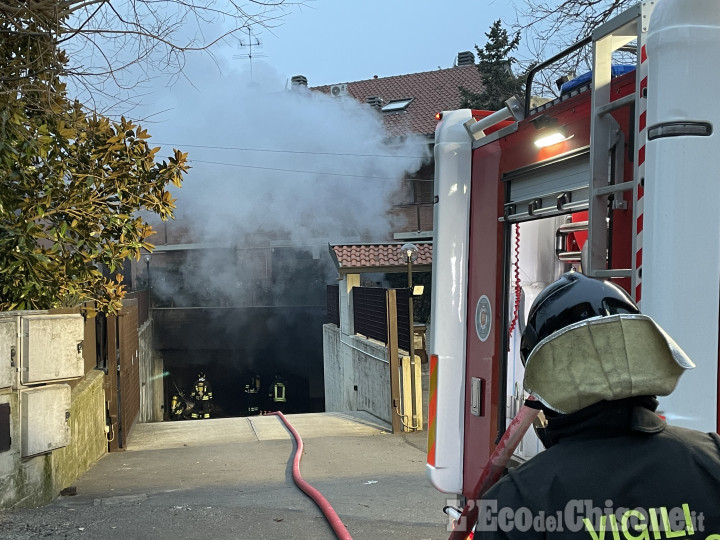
386,257
432,92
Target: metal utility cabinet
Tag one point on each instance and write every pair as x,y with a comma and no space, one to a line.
37,352
45,414
51,348
8,352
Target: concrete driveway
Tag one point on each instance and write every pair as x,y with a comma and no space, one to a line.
230,478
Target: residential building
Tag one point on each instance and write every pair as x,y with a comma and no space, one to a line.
408,105
270,324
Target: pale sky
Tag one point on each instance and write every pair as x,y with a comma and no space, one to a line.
327,41
336,41
333,41
263,156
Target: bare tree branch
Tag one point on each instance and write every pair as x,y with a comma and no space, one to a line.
125,42
551,26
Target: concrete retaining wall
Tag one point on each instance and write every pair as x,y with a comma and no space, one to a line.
36,481
88,441
337,373
357,374
151,376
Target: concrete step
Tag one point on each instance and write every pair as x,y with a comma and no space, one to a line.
184,433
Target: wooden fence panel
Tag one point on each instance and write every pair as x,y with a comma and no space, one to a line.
129,384
369,312
333,304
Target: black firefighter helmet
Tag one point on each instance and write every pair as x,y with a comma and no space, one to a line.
586,343
572,298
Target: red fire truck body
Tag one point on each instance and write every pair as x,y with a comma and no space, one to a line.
613,198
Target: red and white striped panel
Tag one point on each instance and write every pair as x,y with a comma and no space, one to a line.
640,168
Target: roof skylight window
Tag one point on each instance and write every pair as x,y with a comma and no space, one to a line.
397,105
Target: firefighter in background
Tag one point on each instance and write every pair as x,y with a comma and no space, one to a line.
177,407
594,363
180,406
202,394
276,395
252,389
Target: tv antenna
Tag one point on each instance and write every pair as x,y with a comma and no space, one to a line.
248,42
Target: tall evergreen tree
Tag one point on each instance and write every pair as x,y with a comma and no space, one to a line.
495,66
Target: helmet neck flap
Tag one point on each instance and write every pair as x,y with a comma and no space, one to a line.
585,341
604,359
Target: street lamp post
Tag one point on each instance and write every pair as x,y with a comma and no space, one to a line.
410,255
147,274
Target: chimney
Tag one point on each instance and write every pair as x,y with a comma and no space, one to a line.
298,80
374,101
465,58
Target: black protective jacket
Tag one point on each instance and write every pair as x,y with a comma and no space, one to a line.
612,471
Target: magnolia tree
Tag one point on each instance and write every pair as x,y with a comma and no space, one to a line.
70,187
72,182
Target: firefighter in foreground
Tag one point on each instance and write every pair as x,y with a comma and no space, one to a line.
612,468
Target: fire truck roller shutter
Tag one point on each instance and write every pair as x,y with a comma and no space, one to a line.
538,267
680,268
446,417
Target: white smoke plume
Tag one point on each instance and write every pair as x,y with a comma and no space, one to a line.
300,164
273,163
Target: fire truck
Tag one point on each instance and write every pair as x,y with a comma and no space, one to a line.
619,178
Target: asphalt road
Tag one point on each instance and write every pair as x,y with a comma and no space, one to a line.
231,478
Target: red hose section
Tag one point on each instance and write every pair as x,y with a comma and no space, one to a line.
494,469
518,288
337,525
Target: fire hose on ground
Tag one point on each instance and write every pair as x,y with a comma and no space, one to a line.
490,475
332,518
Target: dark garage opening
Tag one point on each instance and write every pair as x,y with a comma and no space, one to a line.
212,332
233,345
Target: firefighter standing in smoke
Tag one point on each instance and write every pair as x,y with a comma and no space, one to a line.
202,394
612,468
276,394
251,391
